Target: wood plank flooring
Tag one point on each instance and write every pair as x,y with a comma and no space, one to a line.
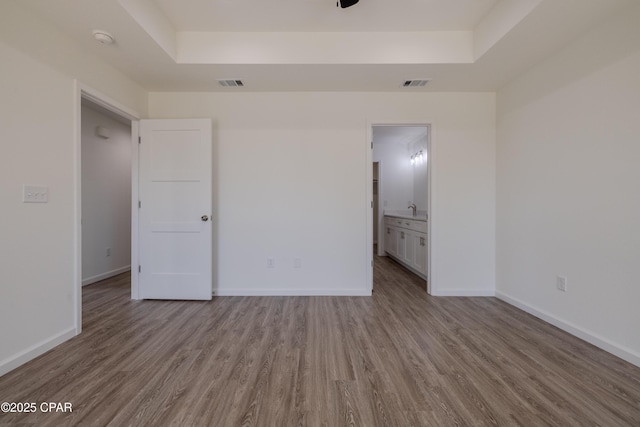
399,358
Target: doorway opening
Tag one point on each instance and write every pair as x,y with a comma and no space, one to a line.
401,195
105,185
106,193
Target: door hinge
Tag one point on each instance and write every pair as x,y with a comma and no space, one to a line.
372,203
139,269
372,145
139,204
139,140
371,263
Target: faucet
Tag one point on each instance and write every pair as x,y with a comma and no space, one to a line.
413,207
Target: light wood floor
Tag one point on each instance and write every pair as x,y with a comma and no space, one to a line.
399,358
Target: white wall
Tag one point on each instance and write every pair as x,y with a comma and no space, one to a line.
419,171
291,182
568,200
39,134
403,183
106,197
396,184
42,41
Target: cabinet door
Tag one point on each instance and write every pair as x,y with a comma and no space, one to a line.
402,244
391,240
410,239
420,258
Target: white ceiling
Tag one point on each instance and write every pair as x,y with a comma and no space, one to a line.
324,15
311,45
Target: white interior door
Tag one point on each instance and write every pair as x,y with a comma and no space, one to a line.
175,175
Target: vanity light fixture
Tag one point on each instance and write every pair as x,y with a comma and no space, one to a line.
417,158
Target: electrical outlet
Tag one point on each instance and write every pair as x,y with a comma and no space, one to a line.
108,251
561,283
297,263
271,263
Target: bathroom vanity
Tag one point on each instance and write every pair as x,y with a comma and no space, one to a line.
405,240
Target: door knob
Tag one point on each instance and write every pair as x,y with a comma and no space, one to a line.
204,218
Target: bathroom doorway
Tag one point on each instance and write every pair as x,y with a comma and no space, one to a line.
400,186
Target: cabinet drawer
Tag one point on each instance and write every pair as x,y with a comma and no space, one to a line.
409,224
420,226
396,222
414,225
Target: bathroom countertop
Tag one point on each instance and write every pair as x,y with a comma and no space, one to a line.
420,215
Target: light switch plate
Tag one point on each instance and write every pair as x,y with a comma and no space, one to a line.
561,283
34,194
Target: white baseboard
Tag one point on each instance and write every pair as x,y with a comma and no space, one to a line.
290,292
590,337
462,293
36,350
99,277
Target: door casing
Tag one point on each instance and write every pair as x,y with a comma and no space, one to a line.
430,187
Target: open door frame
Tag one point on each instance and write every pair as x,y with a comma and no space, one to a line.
369,180
83,91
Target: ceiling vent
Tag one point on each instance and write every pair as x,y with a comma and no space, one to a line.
231,83
415,83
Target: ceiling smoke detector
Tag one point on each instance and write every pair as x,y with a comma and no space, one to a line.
231,83
103,37
346,3
415,83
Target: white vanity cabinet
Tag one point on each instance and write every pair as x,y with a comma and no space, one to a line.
391,239
406,241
